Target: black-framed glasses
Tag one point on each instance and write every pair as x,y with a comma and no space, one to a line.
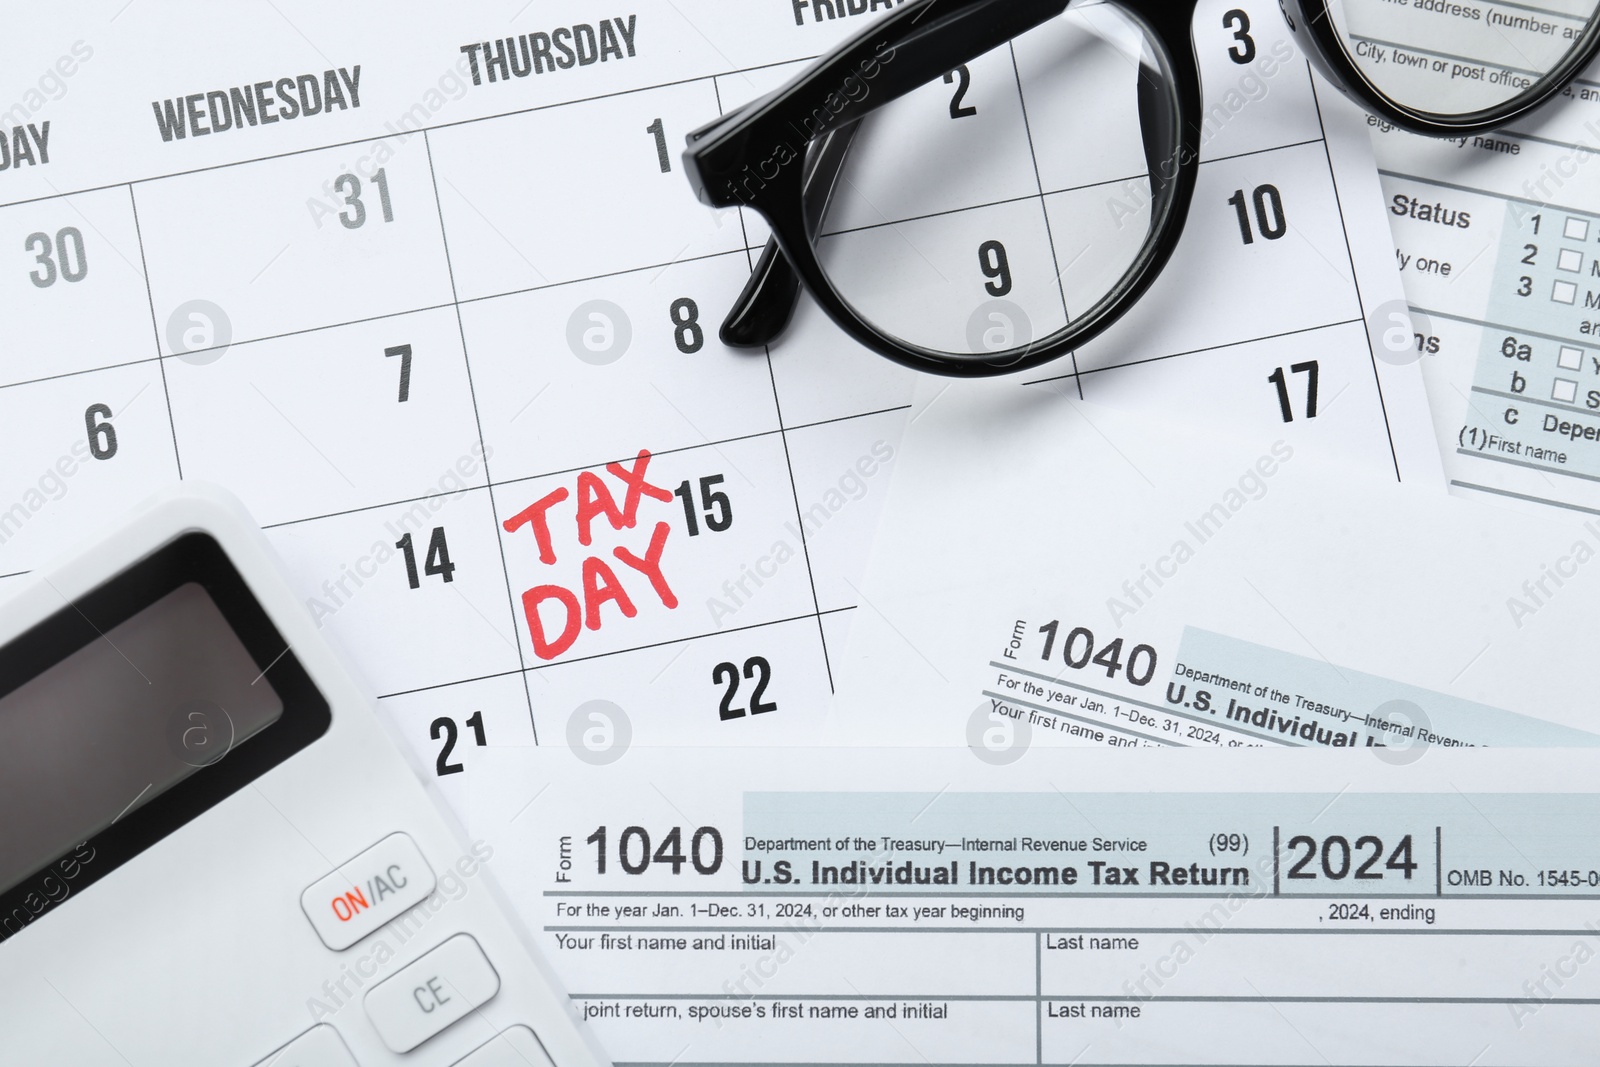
867,173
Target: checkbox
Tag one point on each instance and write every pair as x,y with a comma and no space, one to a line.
1565,391
1564,293
1571,260
1570,358
1577,229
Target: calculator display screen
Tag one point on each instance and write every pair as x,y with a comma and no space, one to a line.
104,731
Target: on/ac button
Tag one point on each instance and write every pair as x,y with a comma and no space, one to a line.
366,892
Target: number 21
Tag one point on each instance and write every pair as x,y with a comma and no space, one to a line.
447,726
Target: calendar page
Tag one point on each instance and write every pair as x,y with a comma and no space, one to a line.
430,293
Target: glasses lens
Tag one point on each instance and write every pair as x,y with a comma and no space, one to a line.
982,212
1458,59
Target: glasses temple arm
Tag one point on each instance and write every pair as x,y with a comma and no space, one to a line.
764,309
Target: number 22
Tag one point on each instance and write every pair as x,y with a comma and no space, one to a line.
727,674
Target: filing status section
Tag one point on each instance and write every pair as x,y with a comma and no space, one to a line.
1088,928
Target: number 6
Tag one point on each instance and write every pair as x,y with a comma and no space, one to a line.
102,435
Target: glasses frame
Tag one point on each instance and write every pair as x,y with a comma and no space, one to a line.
1311,23
747,159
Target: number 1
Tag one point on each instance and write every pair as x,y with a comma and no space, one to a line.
660,133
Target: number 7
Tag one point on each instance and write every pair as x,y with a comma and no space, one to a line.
1311,369
404,352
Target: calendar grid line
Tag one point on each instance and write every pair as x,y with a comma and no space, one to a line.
477,418
436,686
1044,209
688,639
155,330
1046,194
800,524
818,614
423,309
758,435
403,501
788,459
408,133
1355,277
705,257
1200,351
420,310
291,153
658,267
80,373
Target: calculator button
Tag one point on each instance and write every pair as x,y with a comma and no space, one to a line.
424,997
368,891
319,1046
516,1047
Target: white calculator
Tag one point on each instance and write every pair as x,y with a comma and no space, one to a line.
211,854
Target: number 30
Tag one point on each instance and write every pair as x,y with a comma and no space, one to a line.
68,251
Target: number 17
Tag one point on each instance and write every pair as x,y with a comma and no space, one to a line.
1310,369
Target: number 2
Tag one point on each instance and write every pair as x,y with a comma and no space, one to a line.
962,78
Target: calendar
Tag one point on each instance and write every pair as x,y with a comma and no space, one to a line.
430,293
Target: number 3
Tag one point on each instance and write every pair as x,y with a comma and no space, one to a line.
1239,22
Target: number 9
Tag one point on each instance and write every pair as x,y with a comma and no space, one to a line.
996,265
